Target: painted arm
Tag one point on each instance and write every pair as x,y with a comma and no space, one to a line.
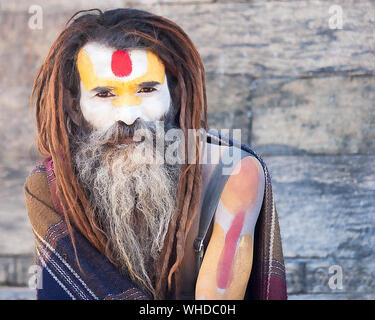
227,263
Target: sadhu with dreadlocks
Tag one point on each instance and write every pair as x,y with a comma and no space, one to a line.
112,222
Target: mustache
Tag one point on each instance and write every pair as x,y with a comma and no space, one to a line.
120,132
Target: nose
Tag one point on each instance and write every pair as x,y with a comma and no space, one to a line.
128,115
129,120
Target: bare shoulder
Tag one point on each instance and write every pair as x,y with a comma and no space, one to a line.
246,171
244,189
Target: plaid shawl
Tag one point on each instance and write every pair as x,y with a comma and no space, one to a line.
62,278
99,279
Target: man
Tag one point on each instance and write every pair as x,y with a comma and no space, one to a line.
113,86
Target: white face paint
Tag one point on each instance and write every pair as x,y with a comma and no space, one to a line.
121,85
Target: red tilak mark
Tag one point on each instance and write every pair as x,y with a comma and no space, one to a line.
121,64
227,257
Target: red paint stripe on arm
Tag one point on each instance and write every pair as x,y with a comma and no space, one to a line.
230,245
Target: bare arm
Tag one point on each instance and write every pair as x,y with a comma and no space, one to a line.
226,266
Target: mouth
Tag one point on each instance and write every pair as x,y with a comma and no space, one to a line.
122,134
129,140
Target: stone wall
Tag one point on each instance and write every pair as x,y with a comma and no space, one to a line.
302,91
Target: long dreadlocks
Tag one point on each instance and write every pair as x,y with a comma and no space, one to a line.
56,96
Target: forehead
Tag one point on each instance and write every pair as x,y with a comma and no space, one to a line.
101,62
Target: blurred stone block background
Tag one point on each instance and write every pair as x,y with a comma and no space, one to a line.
301,90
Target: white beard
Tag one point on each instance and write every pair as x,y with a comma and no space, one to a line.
133,200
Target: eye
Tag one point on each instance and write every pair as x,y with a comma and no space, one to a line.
105,94
146,90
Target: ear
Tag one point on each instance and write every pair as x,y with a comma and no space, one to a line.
72,108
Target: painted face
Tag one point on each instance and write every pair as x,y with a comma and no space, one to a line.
121,85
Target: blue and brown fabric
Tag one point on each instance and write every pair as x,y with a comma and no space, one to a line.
95,278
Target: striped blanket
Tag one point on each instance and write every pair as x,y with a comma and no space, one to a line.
60,277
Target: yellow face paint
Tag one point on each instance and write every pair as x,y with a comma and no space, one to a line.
125,90
121,85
